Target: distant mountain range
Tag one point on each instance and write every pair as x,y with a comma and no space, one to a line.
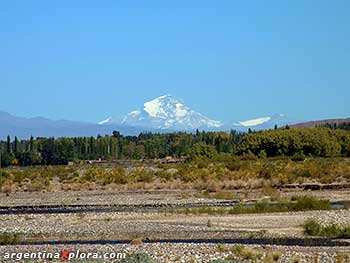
168,113
163,114
42,127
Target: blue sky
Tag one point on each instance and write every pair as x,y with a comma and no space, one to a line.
230,60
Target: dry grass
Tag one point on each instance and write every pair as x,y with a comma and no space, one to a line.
246,253
136,242
218,177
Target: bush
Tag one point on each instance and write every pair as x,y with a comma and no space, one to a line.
273,193
276,256
136,241
297,157
314,228
9,239
249,156
307,203
246,253
303,203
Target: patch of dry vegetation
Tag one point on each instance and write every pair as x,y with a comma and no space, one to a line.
214,178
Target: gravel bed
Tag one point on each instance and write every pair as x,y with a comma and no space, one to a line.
200,253
340,218
126,226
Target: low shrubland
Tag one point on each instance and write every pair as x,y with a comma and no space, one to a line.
302,203
214,178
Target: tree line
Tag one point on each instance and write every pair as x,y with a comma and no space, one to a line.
323,142
334,125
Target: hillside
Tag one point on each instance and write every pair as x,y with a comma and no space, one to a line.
313,124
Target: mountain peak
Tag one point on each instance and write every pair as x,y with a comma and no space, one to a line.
168,113
159,107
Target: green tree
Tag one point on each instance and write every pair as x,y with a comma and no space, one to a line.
201,149
8,144
15,146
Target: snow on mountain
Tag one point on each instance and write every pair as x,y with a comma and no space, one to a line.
166,113
105,121
263,123
254,122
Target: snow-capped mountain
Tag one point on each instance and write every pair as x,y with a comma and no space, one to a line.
165,113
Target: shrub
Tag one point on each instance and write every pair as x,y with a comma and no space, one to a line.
221,248
4,174
306,203
234,165
249,156
303,203
209,223
273,193
246,253
224,195
136,241
9,239
295,259
297,157
314,228
276,256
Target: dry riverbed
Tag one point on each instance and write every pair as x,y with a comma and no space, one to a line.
100,231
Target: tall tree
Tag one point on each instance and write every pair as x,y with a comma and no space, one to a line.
15,146
31,144
8,144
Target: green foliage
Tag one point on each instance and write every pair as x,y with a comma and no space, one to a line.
29,158
299,156
303,203
202,146
4,174
276,255
316,142
214,178
341,126
9,239
201,149
314,228
6,159
308,203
